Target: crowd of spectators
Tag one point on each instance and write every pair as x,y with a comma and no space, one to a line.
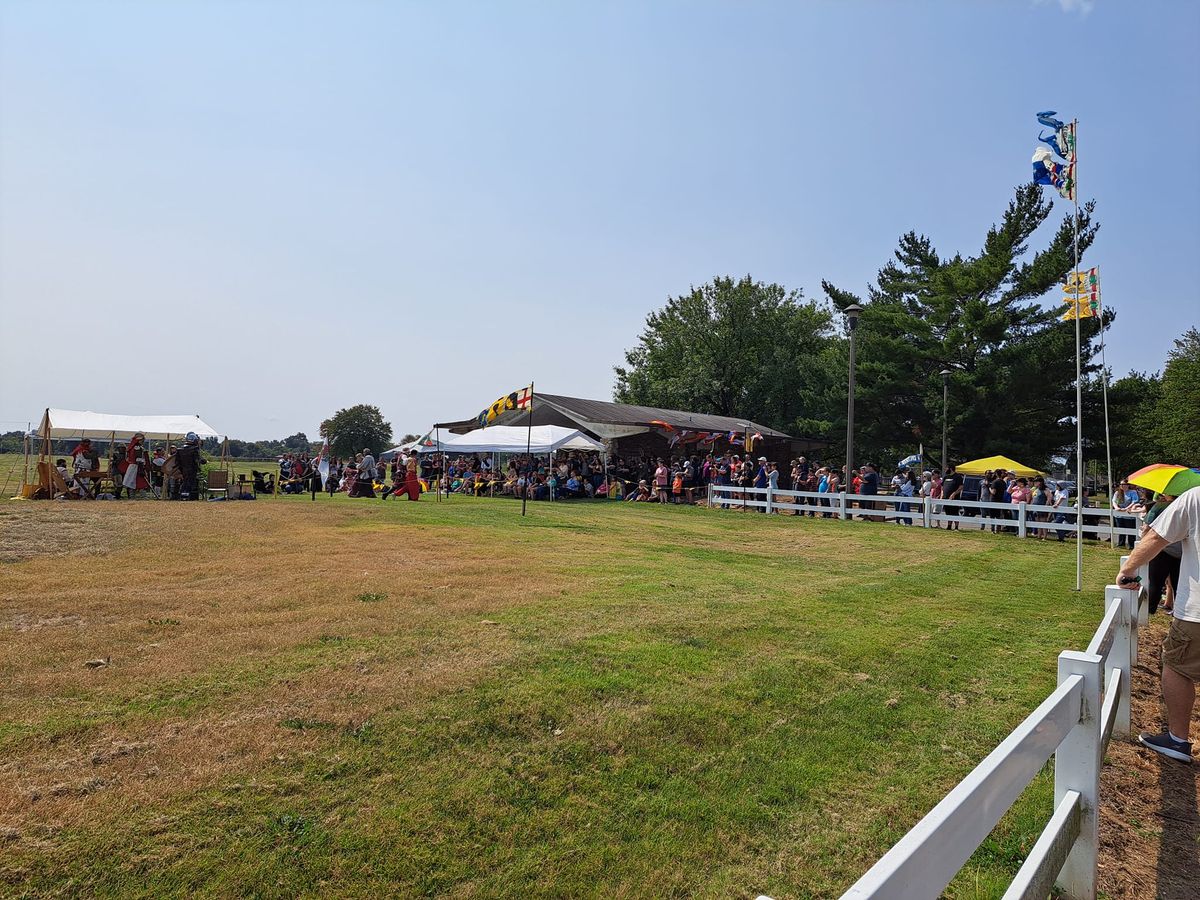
684,479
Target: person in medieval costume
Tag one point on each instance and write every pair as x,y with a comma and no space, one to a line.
412,478
137,465
187,458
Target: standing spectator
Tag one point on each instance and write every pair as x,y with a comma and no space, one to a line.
952,488
835,487
760,476
869,486
1040,498
1123,500
908,488
1062,502
662,479
997,488
1163,568
1181,649
935,494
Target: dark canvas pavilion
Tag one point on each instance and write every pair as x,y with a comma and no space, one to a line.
632,429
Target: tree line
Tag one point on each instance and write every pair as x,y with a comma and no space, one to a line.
740,347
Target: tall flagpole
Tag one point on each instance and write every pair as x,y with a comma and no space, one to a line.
1080,477
528,444
1104,388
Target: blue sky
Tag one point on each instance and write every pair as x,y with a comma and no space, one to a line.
262,212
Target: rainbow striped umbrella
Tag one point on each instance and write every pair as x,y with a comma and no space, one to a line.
1164,479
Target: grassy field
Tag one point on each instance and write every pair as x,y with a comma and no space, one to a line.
442,699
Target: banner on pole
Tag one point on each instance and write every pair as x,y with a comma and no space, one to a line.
521,399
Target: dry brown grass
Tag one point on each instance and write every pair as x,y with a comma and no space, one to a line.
214,635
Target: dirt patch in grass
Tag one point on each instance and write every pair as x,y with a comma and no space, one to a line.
1149,825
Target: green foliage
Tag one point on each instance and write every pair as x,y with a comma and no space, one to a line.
350,430
1012,361
735,348
1133,415
1179,407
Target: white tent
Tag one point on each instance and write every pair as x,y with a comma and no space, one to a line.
515,439
64,424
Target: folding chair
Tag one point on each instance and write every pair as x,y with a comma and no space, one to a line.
218,483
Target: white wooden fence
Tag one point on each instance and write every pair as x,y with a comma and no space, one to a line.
1026,519
1075,724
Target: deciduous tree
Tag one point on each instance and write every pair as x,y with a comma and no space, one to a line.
734,348
350,430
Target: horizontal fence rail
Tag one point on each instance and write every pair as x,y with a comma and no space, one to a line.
1024,519
1074,724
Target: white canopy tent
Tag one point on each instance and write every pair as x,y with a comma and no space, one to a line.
388,455
64,424
515,439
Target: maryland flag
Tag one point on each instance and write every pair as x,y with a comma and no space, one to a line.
1081,293
522,399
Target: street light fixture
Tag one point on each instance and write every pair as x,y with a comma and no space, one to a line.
946,373
853,311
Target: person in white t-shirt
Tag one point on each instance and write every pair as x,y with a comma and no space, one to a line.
1180,522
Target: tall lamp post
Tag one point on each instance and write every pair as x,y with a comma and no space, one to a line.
946,373
853,311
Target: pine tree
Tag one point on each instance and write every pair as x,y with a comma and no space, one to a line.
1012,359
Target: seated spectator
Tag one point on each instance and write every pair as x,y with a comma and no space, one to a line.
573,488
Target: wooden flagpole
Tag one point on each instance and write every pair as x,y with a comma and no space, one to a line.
528,445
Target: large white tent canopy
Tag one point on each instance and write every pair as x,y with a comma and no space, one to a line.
515,439
61,424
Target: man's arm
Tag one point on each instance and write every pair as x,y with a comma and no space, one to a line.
1148,547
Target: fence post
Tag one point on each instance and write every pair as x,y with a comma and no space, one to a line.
1077,768
710,495
1143,609
769,498
927,513
842,505
1021,519
1119,657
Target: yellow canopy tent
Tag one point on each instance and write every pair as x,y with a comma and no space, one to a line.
992,463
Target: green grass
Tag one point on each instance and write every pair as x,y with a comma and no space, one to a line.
671,702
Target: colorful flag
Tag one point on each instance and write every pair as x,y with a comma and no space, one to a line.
1082,293
1062,140
1083,282
522,399
1046,170
1077,310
